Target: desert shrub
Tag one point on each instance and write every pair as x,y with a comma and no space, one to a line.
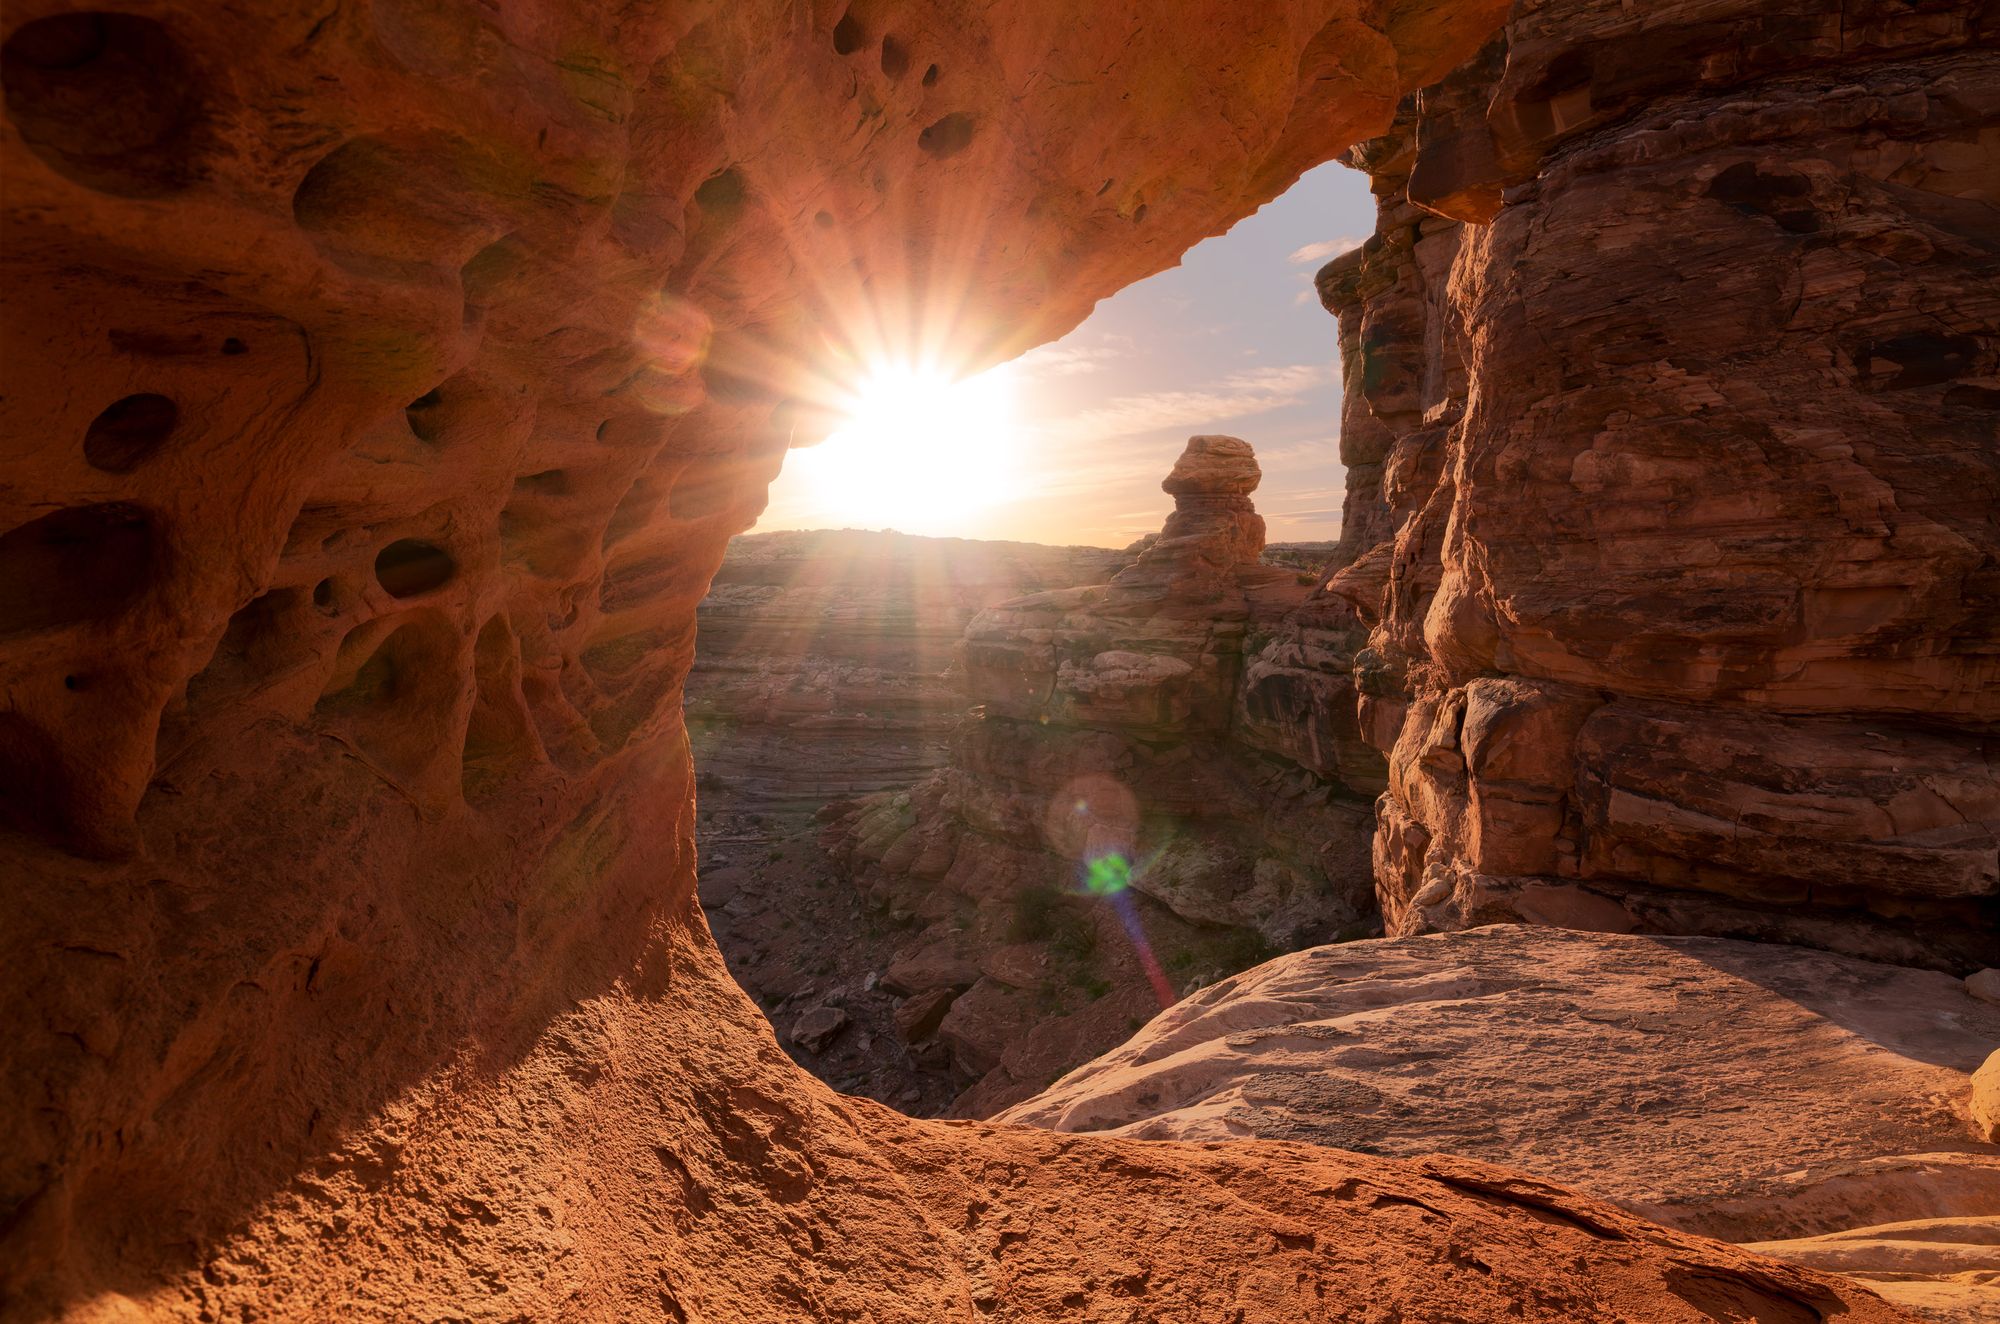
1035,913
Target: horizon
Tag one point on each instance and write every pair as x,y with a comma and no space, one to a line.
1230,340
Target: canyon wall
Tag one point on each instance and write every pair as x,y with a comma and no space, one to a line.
1673,437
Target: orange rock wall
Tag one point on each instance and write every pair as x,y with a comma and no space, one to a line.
1674,478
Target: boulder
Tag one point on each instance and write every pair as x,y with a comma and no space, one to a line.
817,1027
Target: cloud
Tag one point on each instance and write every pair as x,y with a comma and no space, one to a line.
1320,252
1239,395
1060,360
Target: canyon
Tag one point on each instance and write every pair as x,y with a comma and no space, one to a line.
829,682
383,384
823,657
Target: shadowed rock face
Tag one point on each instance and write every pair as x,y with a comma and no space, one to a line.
382,384
1672,481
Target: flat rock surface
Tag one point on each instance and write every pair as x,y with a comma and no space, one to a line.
1747,1091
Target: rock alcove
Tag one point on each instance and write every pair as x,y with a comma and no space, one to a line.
349,942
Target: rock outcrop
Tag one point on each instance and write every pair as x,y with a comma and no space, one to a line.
1672,429
821,657
1747,1091
382,383
1100,762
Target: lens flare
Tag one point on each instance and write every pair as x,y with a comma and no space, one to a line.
1110,876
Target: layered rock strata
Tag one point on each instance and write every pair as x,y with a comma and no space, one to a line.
1673,436
1100,762
1747,1091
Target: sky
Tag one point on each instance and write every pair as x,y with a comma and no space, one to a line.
1069,443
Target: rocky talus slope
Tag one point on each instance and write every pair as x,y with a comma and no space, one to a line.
1672,429
1097,842
1817,1105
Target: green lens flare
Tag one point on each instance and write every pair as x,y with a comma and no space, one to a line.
1107,875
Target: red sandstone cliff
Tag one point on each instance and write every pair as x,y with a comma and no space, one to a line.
1672,482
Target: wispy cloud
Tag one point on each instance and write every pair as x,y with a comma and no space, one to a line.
1239,395
1061,360
1320,252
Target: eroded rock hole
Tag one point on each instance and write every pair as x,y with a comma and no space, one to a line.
948,136
410,566
398,703
261,640
232,347
129,432
721,198
492,271
1780,196
108,100
425,418
35,793
549,482
931,76
499,733
1908,362
895,57
81,564
383,206
634,510
848,36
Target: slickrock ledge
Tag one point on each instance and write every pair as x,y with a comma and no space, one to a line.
1812,1103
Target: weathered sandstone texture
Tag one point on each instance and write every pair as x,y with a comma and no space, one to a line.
1673,435
821,657
1746,1091
1103,739
382,383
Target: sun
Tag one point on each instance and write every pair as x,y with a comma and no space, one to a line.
919,451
